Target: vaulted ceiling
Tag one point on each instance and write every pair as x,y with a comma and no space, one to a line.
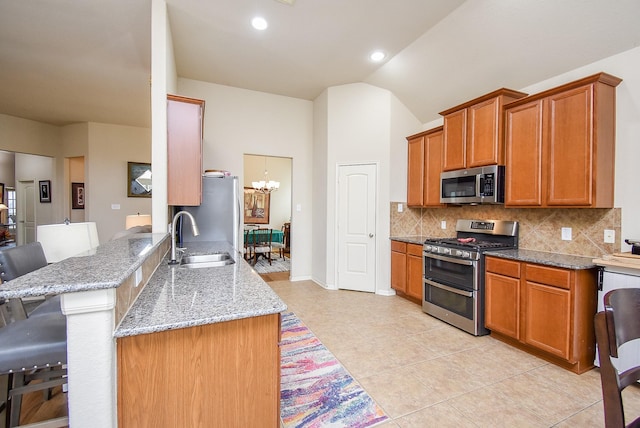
65,61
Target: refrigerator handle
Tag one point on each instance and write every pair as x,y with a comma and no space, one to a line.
600,280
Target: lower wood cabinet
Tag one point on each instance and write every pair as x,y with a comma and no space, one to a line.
406,270
545,310
217,375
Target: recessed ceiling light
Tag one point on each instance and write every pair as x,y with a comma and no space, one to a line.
377,56
259,23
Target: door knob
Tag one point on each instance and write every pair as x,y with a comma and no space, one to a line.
371,235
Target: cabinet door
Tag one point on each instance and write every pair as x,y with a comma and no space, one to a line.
571,147
184,150
483,146
415,171
548,317
433,145
523,172
414,271
398,270
455,134
502,304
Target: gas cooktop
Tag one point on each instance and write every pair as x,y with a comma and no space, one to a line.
474,237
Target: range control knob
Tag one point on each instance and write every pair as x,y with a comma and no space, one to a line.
427,247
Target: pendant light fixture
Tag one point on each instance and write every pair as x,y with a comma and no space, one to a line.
265,185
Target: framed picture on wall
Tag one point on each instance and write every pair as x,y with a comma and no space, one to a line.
77,196
138,180
1,193
256,207
45,191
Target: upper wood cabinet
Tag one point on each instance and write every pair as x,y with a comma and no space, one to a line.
474,131
185,118
424,167
560,146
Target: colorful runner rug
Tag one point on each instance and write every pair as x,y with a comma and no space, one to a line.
316,391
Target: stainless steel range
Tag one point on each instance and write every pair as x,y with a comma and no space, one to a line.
453,271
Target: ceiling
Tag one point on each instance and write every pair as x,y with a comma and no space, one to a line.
66,61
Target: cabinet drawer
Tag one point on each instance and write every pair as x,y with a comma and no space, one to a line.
399,246
504,267
414,249
549,276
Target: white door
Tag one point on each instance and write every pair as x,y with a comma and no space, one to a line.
356,227
26,211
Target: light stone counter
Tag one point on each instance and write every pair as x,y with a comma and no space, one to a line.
544,258
104,267
178,297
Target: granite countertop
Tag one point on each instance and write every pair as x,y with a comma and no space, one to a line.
545,258
106,266
178,297
416,239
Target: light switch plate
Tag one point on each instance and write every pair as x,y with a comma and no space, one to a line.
609,236
138,276
566,234
399,208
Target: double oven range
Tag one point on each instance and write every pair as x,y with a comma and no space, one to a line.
453,271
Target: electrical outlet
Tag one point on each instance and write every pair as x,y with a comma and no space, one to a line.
566,234
609,236
399,208
443,224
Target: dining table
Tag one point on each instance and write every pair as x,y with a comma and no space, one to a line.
276,235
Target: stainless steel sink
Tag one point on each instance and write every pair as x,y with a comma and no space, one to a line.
206,260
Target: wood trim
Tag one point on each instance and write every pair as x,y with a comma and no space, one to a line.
605,78
498,92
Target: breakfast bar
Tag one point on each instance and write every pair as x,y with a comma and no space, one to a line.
124,292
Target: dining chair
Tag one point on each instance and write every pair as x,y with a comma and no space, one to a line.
248,245
280,246
261,239
617,325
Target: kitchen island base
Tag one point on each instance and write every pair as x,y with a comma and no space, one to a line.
224,374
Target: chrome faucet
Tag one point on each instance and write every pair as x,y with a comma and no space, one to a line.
194,229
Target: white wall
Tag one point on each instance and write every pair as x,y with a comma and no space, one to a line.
240,121
28,136
360,121
33,167
319,193
624,66
110,148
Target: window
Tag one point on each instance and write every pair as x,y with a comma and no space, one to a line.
11,214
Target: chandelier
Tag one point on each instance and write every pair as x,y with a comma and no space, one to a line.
266,185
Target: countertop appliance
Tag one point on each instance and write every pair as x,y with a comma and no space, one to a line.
218,216
453,271
635,245
482,185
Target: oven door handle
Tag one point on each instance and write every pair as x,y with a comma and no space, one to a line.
450,259
447,288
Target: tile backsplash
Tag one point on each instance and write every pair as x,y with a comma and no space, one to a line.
540,229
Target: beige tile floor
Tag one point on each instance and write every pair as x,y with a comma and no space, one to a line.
425,373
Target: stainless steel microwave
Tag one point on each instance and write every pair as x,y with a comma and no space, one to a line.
482,185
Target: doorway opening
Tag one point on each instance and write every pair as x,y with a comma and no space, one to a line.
264,209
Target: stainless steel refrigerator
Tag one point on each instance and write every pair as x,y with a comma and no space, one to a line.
218,216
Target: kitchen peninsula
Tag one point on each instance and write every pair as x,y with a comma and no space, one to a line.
179,334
